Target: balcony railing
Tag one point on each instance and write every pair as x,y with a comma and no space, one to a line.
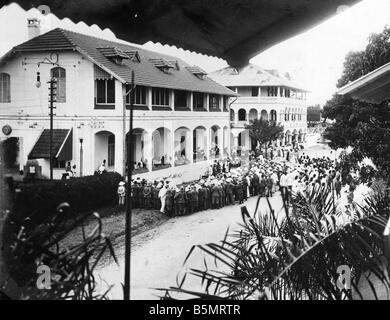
260,99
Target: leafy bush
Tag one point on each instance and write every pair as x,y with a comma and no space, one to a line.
27,246
37,200
296,257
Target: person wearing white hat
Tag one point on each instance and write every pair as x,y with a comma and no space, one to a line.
121,194
163,197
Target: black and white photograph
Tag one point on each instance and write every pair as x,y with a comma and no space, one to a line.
172,150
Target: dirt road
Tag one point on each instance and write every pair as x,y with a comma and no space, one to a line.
158,254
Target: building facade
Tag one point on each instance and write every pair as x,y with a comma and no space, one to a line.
181,116
264,94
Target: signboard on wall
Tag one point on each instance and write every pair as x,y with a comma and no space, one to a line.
178,175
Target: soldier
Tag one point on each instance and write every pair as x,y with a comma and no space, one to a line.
244,188
137,194
269,184
156,203
188,192
256,184
169,201
195,198
229,192
201,196
215,196
180,202
262,185
207,197
147,193
223,194
239,194
141,187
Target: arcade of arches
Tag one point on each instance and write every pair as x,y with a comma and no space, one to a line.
162,147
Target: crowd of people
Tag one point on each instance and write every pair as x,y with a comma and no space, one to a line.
287,171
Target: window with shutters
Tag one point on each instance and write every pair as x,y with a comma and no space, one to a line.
105,92
214,102
160,97
139,95
5,88
198,101
60,74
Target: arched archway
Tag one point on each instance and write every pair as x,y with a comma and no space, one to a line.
162,148
294,137
287,137
183,152
137,151
242,115
225,141
264,115
253,114
104,149
300,136
215,141
199,144
273,115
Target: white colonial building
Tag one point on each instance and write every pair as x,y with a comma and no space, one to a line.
181,116
264,94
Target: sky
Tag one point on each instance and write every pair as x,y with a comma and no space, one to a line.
314,58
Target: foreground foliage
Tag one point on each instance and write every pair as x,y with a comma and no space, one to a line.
28,245
295,255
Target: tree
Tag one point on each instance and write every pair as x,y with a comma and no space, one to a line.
358,124
264,131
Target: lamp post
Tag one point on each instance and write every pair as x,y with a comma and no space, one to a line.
127,275
81,139
81,156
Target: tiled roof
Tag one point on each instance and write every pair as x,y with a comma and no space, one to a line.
41,149
251,75
145,71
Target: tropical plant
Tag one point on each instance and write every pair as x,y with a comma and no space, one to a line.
295,256
28,246
358,124
264,131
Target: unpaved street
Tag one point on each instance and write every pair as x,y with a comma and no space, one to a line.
158,254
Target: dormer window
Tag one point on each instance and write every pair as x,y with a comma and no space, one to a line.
198,72
134,56
114,54
175,64
163,65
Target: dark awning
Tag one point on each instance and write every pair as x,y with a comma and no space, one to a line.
235,30
62,145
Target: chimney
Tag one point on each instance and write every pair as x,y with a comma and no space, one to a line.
34,27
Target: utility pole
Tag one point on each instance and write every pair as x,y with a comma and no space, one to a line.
52,98
126,287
